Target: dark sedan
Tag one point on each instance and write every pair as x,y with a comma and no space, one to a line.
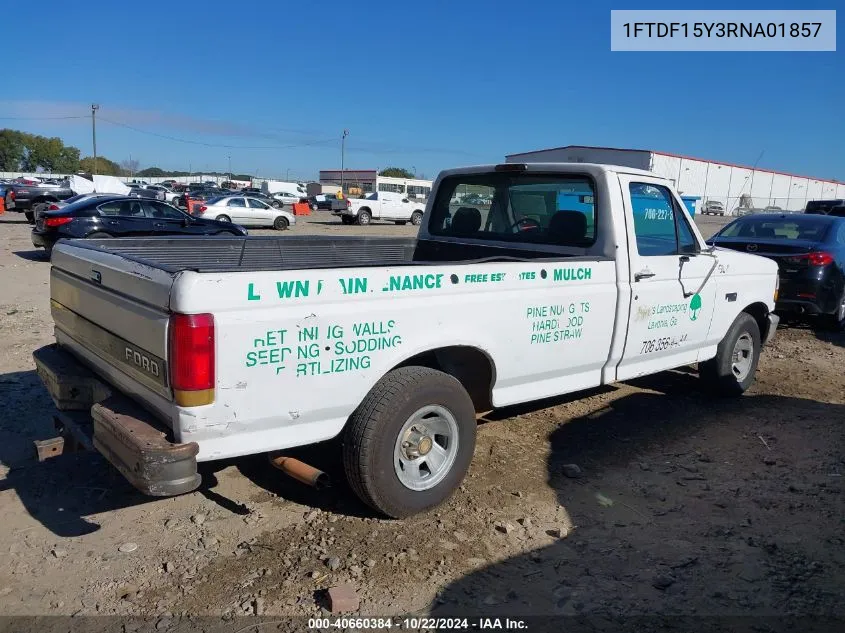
120,216
810,253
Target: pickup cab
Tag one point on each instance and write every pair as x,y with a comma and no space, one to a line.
570,276
382,205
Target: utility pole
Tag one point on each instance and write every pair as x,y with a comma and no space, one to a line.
230,166
342,156
94,108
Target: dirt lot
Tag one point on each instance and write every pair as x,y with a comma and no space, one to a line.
681,504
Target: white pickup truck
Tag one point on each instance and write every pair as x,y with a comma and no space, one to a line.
382,205
575,275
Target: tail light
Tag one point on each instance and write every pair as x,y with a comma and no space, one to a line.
12,194
818,258
54,222
203,208
191,357
53,207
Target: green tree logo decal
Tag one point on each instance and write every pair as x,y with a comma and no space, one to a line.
694,307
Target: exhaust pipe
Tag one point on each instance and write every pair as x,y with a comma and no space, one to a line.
301,471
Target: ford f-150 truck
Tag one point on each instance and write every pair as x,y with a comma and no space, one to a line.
381,205
571,276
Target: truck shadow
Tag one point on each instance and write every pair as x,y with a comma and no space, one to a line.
33,255
60,492
680,509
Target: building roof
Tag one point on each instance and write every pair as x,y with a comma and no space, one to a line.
682,156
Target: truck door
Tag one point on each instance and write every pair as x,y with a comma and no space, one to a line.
673,292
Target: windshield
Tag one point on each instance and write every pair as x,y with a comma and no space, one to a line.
793,228
540,209
821,206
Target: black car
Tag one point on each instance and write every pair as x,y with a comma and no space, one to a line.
810,252
121,216
826,207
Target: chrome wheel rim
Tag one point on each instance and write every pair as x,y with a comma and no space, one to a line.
742,357
426,448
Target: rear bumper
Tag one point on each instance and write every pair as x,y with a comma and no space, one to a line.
130,438
799,306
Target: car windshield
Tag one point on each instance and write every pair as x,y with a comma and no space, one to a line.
792,228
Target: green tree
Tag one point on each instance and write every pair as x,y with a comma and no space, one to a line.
49,154
396,172
12,150
105,167
153,172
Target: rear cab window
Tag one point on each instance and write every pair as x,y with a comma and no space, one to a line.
556,210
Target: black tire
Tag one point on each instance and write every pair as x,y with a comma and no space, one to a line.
276,204
416,218
364,217
836,322
30,216
99,235
281,223
347,220
223,218
369,442
38,208
719,372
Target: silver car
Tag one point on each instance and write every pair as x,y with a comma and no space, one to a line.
246,211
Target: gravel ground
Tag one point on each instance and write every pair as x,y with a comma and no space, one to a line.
641,498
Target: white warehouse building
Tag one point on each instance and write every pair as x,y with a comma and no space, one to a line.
735,186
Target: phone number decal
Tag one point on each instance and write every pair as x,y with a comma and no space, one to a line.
662,344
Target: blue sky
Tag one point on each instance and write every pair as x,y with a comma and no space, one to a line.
425,85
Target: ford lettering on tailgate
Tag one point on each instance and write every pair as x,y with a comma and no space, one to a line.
142,361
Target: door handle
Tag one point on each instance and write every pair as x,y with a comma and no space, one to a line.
159,225
112,221
643,274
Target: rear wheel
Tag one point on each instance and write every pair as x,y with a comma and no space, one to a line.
276,204
30,216
364,217
280,223
408,446
732,370
223,218
416,218
39,208
836,321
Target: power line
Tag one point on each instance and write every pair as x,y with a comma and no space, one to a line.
40,118
192,142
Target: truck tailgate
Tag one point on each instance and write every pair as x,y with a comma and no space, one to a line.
112,314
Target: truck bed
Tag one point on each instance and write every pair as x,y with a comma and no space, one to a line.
243,254
220,254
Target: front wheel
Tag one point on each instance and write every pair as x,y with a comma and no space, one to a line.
416,218
223,218
408,446
364,218
732,370
280,223
276,204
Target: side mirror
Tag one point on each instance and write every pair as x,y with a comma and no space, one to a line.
405,200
